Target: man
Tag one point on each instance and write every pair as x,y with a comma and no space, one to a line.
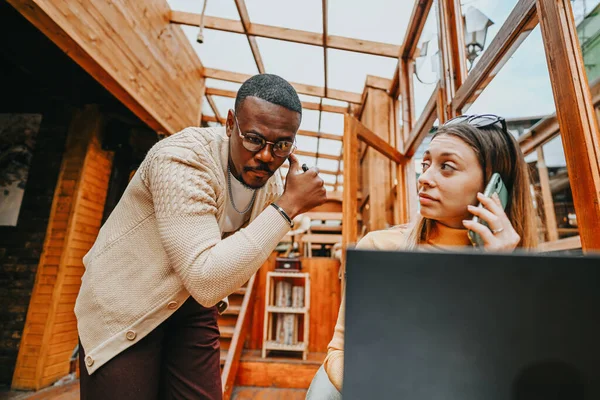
199,217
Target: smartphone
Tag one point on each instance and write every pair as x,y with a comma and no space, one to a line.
495,185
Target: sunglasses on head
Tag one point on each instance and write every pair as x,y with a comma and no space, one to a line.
479,121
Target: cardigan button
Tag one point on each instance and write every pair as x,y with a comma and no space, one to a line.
172,305
89,361
130,335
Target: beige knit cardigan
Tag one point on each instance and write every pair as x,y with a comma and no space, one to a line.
164,242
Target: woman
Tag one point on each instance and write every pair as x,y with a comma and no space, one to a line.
460,160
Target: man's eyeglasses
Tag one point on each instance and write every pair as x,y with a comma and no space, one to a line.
479,121
255,143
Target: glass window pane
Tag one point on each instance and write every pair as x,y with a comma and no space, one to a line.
306,143
328,178
224,104
295,62
206,110
219,84
310,120
587,18
348,71
326,164
331,147
427,63
212,54
482,20
377,20
303,15
332,123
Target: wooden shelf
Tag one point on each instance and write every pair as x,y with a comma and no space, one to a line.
283,323
288,274
271,345
287,310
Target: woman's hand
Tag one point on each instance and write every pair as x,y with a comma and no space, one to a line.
500,236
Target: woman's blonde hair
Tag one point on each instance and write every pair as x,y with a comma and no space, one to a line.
497,151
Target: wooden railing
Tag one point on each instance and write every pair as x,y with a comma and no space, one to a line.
232,361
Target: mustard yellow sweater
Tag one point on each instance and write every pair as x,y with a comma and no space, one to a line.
390,240
164,242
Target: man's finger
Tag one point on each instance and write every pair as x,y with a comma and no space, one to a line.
294,163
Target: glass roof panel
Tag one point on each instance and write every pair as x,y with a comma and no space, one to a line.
310,120
348,71
306,143
331,102
376,20
304,15
224,104
328,178
219,84
332,147
330,165
295,62
223,9
211,51
206,110
332,123
311,99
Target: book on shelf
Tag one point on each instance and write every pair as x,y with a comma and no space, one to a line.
283,294
298,296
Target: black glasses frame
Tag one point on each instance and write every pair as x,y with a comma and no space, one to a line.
265,142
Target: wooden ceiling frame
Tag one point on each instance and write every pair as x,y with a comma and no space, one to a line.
301,88
325,34
305,104
288,35
245,18
211,102
521,21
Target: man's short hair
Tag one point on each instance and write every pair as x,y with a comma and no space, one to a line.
271,88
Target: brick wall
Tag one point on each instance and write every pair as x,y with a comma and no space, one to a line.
21,246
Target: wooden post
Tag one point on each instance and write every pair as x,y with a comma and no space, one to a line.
575,113
376,118
549,212
454,66
50,333
350,200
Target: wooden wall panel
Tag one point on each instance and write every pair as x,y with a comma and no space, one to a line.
50,333
376,116
131,48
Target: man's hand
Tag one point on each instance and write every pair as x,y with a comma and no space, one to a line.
303,190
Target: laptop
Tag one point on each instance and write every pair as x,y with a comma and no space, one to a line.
429,326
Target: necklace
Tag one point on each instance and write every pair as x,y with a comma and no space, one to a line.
231,194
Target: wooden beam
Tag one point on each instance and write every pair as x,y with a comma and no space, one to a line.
211,118
118,45
320,135
242,324
300,87
311,154
575,112
305,104
324,12
517,27
549,212
350,201
570,243
245,18
374,141
378,82
213,106
288,35
423,125
539,134
415,28
454,64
